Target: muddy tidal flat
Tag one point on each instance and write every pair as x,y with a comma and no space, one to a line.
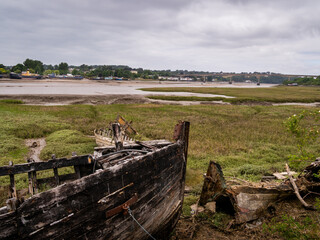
61,92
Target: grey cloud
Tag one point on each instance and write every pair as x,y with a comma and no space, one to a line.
171,34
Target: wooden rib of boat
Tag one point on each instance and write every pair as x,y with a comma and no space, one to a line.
142,181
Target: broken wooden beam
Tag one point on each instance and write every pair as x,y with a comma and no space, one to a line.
12,188
245,201
214,183
39,166
296,190
117,136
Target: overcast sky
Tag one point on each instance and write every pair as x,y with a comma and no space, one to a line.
210,35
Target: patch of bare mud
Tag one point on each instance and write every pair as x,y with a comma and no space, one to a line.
35,146
56,100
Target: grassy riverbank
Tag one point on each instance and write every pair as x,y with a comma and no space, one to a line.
248,141
280,94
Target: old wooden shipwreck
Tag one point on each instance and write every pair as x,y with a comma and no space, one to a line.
249,201
114,191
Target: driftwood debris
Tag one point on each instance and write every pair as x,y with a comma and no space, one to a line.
250,201
296,190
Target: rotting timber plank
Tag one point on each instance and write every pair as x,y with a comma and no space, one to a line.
150,214
163,199
145,211
56,176
110,203
62,194
39,166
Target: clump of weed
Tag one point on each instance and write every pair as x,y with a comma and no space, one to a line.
304,127
219,219
187,202
186,98
62,143
288,227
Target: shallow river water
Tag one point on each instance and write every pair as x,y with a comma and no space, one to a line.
87,87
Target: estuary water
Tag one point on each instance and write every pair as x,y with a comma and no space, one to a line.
90,87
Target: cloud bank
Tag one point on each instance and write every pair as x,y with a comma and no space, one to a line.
220,35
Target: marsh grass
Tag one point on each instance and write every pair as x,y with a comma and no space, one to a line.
279,94
63,142
186,98
11,101
248,141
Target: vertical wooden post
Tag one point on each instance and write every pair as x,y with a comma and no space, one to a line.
13,190
181,133
12,187
30,179
77,171
56,176
35,182
116,136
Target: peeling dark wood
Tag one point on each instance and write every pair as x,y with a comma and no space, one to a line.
151,182
39,166
30,182
246,202
56,176
12,188
34,181
123,207
77,171
214,184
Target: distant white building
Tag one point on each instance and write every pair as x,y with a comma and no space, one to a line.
169,78
185,79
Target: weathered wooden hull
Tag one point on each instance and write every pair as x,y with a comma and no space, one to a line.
88,208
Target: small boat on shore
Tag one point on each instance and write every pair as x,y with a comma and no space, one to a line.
130,191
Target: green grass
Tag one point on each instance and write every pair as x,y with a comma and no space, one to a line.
62,143
291,228
280,94
186,98
247,141
11,101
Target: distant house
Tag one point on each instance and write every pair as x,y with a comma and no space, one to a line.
134,72
185,79
169,78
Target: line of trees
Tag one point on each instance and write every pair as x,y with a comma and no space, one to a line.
34,66
102,71
304,81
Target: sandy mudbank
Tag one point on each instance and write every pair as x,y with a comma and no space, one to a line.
48,100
